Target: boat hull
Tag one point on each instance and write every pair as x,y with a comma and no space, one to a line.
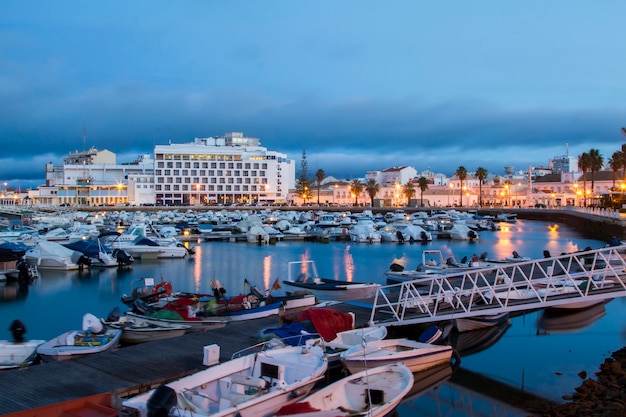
375,392
14,355
253,385
416,356
60,349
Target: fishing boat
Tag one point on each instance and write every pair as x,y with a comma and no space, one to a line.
93,338
254,384
139,330
373,392
416,355
303,276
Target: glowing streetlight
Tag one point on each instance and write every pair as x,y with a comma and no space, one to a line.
119,191
507,193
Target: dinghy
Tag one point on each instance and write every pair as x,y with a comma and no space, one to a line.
374,393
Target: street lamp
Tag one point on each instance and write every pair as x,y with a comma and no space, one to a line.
507,193
451,187
119,191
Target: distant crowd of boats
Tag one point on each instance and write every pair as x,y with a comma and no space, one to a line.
78,240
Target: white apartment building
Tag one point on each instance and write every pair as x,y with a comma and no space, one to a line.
91,178
227,170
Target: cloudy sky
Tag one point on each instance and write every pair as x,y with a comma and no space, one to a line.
360,85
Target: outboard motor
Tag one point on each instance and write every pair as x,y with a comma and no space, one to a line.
23,272
18,329
83,261
471,234
464,259
400,236
162,400
424,236
256,292
395,267
123,257
114,315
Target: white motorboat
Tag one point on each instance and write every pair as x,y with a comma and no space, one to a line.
18,352
303,276
98,254
256,384
373,392
460,231
257,234
143,247
53,255
364,234
417,356
93,338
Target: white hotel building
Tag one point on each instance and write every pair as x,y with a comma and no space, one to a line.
232,169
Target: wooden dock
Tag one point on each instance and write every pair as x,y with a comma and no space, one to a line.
133,369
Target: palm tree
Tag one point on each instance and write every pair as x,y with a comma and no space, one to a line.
596,162
408,190
422,183
615,163
372,189
584,163
623,159
481,173
319,177
356,187
461,173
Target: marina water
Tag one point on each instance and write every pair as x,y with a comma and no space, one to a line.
526,356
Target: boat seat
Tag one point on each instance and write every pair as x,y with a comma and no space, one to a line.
250,381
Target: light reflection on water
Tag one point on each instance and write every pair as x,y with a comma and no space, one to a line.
542,361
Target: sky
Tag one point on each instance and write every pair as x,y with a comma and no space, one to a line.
359,85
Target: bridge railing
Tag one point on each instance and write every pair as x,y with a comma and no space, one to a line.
567,278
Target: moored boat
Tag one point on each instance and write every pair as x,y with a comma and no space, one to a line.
255,384
93,338
373,392
326,289
139,330
417,356
19,351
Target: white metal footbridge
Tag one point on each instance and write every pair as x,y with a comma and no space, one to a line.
583,278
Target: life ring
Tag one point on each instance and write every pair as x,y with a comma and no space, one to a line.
166,286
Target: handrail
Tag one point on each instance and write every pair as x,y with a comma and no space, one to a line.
581,276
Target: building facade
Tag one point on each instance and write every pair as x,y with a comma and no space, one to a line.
227,170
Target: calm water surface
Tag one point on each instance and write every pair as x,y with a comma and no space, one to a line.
523,355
